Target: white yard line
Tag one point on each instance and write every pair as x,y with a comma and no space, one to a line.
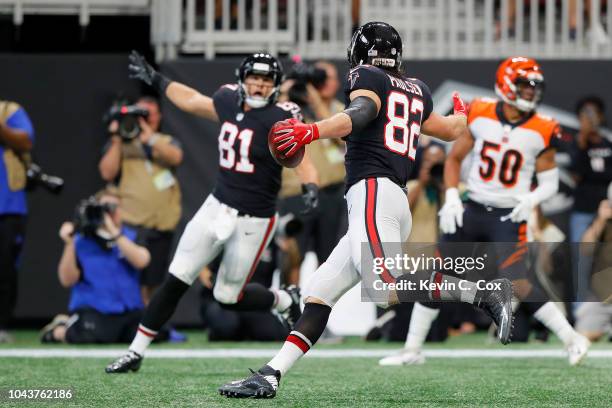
261,353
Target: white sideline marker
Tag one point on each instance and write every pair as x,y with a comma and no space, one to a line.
264,353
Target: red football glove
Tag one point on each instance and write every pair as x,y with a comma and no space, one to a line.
458,105
291,135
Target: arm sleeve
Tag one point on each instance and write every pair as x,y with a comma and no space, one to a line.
362,110
548,184
21,121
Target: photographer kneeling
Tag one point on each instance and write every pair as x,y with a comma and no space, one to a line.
142,162
100,263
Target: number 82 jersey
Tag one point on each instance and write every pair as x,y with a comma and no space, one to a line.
386,147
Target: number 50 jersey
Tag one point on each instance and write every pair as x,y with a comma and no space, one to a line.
386,147
505,154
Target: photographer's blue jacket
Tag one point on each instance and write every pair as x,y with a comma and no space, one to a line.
108,284
13,202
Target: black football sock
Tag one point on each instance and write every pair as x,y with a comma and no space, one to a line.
160,309
163,303
254,297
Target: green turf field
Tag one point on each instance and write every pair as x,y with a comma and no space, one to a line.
323,382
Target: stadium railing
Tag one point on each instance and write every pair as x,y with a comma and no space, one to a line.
431,29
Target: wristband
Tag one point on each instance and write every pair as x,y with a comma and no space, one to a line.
160,83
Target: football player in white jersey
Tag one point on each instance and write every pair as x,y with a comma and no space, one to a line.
509,142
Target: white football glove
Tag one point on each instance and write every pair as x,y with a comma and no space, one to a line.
522,210
451,213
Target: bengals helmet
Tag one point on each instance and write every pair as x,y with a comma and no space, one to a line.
377,44
513,75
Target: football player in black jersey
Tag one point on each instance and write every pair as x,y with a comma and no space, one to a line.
382,122
239,216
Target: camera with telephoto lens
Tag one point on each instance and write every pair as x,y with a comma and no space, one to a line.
89,216
127,116
304,74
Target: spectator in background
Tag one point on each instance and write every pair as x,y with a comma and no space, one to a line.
595,33
102,270
317,98
592,165
594,318
16,139
143,168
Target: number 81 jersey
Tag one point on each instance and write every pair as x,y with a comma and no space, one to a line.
504,154
249,178
386,147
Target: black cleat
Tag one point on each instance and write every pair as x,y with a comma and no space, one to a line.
497,304
293,312
128,362
261,384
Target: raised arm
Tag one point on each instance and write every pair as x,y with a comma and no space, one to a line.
185,98
291,135
363,109
448,128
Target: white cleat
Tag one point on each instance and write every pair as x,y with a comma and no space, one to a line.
404,357
577,349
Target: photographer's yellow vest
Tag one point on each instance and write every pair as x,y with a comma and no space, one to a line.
16,163
150,194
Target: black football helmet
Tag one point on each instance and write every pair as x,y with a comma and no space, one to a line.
259,64
377,44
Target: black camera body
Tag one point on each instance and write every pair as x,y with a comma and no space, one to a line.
127,116
89,216
304,74
37,177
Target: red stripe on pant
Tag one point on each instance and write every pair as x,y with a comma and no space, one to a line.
371,229
298,342
438,281
259,252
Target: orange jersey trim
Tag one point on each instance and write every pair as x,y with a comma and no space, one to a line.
544,126
482,108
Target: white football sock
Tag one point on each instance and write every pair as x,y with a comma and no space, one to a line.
283,300
552,317
143,338
294,348
420,323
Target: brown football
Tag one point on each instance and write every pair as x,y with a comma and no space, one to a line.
280,158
